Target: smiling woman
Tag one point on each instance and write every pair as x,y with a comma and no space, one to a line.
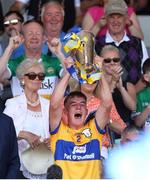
33,76
30,114
123,92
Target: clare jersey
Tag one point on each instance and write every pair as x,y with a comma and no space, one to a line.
77,152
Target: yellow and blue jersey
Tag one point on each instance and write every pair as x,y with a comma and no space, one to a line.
77,152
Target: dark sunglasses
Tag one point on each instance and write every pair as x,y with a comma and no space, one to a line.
108,60
32,76
13,22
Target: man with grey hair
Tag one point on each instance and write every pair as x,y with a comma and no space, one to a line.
132,49
52,16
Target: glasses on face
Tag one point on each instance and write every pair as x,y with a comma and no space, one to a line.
109,60
32,76
12,21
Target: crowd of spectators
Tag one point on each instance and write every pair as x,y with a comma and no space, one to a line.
77,122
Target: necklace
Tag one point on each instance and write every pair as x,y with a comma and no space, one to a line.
33,104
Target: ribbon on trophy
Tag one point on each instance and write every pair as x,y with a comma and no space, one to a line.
80,46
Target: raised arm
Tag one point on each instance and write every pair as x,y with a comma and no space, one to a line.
57,98
4,60
88,24
55,47
134,27
14,42
56,102
128,95
103,112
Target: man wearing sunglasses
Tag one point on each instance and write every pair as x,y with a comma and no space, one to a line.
13,26
13,20
133,51
12,23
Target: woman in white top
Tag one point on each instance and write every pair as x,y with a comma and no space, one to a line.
29,111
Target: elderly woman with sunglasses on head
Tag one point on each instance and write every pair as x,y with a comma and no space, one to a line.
124,94
29,111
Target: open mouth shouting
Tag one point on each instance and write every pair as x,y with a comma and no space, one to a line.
78,116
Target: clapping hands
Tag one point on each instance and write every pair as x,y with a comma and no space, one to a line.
117,71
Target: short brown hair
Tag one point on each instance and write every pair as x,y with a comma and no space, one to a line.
74,94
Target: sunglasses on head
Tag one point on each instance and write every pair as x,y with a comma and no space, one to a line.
32,76
108,60
13,22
